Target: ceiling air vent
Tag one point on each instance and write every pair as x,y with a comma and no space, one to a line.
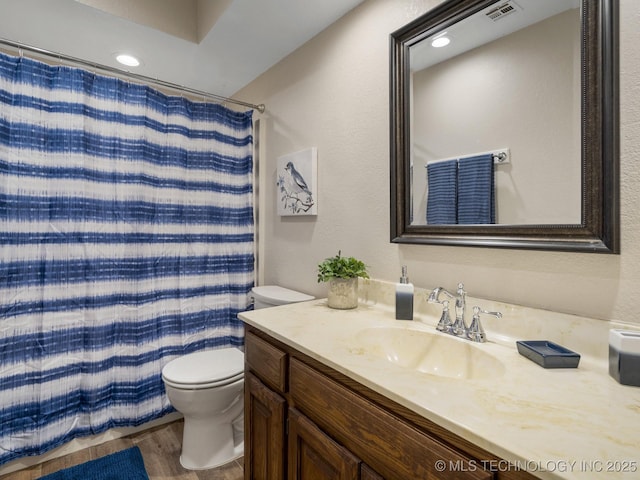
502,10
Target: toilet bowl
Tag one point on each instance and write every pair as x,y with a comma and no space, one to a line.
207,388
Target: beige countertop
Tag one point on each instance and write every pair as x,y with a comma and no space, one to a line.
554,423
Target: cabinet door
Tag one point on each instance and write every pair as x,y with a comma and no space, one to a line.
367,474
264,416
315,456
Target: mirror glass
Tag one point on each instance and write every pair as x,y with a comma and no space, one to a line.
463,98
492,104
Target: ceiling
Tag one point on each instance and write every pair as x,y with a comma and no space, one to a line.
478,29
217,46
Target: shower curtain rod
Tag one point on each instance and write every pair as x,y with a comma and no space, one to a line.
142,78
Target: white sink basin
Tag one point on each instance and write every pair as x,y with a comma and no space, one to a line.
430,353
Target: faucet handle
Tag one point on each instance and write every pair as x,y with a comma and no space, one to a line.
434,296
476,332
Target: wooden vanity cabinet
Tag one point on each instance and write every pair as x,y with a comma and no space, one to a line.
306,421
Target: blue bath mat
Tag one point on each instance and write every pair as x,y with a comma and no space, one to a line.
124,465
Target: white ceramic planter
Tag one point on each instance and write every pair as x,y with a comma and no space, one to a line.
343,293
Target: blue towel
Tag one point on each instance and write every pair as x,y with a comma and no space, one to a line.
476,193
441,196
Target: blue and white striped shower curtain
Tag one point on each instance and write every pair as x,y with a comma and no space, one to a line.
126,227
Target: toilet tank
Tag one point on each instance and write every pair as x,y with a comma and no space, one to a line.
272,295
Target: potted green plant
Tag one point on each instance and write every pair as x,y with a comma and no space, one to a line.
342,275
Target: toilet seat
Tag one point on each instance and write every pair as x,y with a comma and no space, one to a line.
203,386
205,369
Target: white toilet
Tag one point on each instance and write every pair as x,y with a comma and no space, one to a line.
207,388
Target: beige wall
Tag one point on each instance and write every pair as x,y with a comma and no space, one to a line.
333,94
509,93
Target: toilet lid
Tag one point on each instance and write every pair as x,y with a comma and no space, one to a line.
277,295
205,367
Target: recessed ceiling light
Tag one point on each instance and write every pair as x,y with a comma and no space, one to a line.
128,60
440,42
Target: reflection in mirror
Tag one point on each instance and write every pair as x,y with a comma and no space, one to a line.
506,134
508,81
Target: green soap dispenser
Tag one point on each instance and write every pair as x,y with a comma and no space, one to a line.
404,297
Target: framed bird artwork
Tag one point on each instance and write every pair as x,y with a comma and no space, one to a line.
297,175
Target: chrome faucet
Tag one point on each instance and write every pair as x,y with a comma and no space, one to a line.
459,328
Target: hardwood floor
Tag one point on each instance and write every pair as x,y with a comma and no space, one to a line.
160,449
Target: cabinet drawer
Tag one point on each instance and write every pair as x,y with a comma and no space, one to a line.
269,363
388,444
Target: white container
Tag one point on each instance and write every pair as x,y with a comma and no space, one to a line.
624,356
343,293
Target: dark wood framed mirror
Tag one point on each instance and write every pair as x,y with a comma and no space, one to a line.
559,187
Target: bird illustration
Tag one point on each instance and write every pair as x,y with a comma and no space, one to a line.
294,180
